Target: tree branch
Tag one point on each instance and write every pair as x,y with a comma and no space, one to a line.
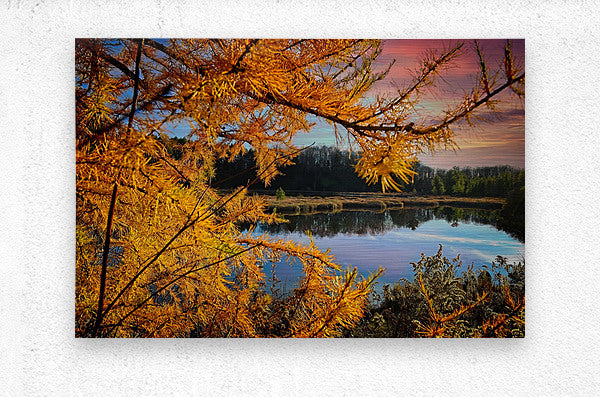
193,270
99,314
105,261
186,226
429,71
138,57
271,99
167,51
236,67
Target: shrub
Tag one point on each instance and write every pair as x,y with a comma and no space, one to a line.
280,194
441,302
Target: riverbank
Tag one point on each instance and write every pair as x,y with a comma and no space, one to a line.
374,202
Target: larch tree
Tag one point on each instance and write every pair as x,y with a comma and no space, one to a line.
159,252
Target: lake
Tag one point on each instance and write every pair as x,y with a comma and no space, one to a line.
394,238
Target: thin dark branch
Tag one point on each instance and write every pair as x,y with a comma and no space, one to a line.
418,82
118,64
476,104
349,281
484,73
236,67
176,169
289,47
193,270
174,55
105,261
270,99
186,226
189,223
325,56
112,60
136,83
100,312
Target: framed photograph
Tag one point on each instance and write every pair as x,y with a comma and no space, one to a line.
300,188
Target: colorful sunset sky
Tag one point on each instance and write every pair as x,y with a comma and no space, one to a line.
498,141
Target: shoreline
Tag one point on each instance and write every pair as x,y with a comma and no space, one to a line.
373,201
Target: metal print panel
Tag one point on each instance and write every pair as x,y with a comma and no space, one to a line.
300,188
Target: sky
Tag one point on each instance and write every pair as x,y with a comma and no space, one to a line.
500,140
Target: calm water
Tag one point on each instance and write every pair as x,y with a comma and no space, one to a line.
393,239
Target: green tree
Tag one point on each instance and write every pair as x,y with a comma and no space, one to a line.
280,194
437,185
459,183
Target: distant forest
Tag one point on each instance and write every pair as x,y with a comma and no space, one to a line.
328,169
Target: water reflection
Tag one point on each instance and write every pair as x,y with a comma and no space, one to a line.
374,223
393,239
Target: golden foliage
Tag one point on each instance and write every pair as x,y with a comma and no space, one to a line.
437,326
177,264
498,326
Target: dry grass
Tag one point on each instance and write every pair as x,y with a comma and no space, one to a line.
373,201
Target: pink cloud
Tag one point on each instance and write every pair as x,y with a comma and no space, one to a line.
497,141
408,54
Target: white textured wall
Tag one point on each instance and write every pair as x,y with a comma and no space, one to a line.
40,356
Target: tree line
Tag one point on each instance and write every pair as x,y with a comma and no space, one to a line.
317,169
329,169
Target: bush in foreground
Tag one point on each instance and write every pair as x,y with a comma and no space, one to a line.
440,302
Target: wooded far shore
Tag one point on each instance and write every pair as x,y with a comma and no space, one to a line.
320,202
